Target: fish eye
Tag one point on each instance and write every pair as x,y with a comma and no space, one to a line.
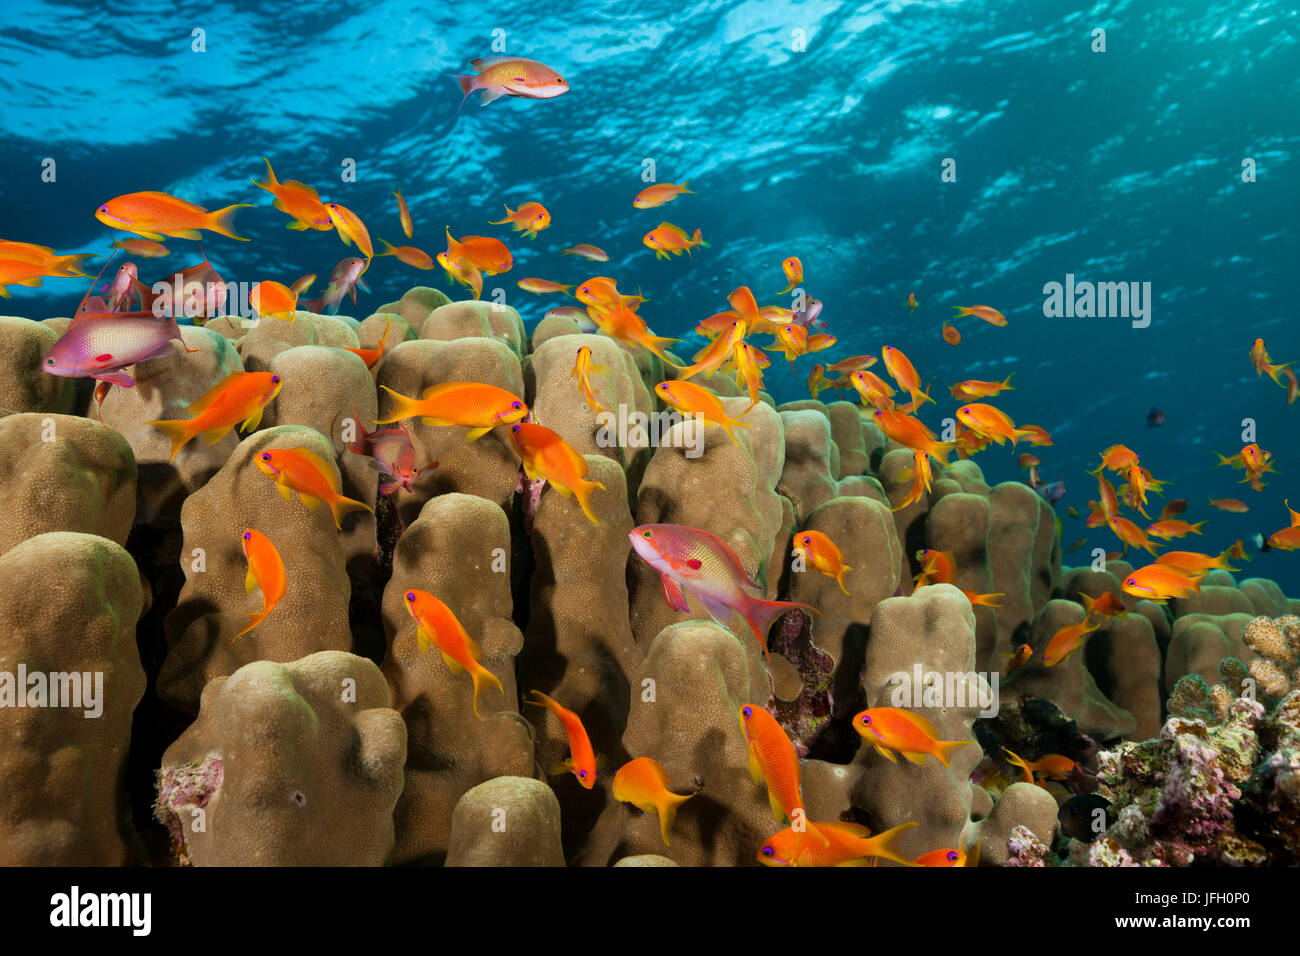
866,719
747,712
516,405
645,534
1131,581
103,209
515,429
582,774
275,380
767,851
410,595
952,854
49,361
247,535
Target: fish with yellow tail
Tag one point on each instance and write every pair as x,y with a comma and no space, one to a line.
696,400
238,399
644,784
689,559
582,758
583,369
265,573
436,625
772,761
314,478
820,553
154,215
894,730
474,405
546,455
849,844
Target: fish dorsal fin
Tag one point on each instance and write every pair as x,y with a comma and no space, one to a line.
203,403
852,829
920,722
326,468
435,391
490,61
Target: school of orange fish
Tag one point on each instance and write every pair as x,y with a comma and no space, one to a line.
107,336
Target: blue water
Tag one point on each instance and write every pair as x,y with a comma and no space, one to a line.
1117,166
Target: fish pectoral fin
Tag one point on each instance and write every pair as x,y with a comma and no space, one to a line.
778,812
422,639
115,378
285,493
562,767
885,753
216,434
431,421
474,434
186,234
447,659
250,581
755,772
252,421
915,757
310,501
860,861
673,593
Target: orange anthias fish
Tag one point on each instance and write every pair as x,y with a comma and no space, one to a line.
892,729
1067,640
1259,358
489,256
793,270
315,480
690,559
371,356
351,229
666,239
772,760
989,422
1174,528
821,554
1174,508
583,369
901,370
265,572
413,257
1292,386
710,358
1035,435
530,219
1105,607
848,844
750,361
1131,534
1050,767
582,759
911,303
1019,657
404,214
300,202
986,312
1160,582
144,248
1229,504
791,341
49,262
473,405
948,858
691,399
273,300
1117,458
817,381
909,431
587,251
154,215
541,286
238,399
659,194
937,567
972,389
852,364
875,391
1288,539
643,783
1194,562
546,455
950,334
437,625
500,76
622,323
921,475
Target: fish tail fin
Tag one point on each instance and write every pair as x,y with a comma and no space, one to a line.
389,248
668,813
946,748
731,423
402,407
1221,560
886,845
760,614
986,600
962,310
467,86
686,182
1016,760
271,181
178,432
699,240
340,506
74,263
582,490
253,621
1273,370
482,677
222,221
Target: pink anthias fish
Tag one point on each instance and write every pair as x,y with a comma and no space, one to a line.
100,343
122,289
809,317
500,76
197,292
689,559
343,280
390,451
